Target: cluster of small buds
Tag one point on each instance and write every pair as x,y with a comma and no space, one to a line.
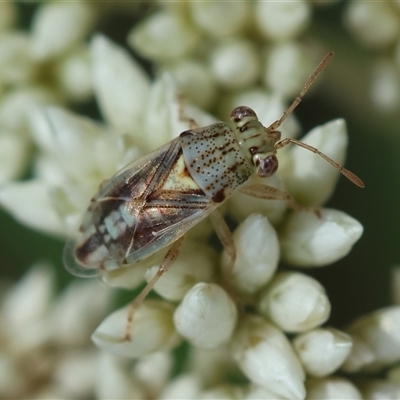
44,346
250,319
376,26
214,50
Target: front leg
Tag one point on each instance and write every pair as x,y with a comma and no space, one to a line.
265,192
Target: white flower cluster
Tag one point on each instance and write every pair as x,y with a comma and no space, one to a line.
44,346
239,328
376,26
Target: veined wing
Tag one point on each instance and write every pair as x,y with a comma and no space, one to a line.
136,213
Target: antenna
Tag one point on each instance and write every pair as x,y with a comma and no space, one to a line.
321,66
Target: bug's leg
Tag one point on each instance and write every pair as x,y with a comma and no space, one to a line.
270,193
224,234
166,263
183,117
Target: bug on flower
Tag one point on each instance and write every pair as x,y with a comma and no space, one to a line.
153,202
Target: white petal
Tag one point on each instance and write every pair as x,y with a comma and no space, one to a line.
211,366
322,351
282,20
152,330
332,389
287,68
16,66
361,356
309,178
38,212
380,330
30,299
74,75
207,316
195,81
295,302
256,392
114,381
120,84
265,356
184,386
74,374
257,254
308,240
25,310
235,64
222,392
162,120
78,310
13,155
154,371
18,105
58,26
196,263
219,18
164,36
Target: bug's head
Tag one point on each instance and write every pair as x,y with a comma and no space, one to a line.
257,141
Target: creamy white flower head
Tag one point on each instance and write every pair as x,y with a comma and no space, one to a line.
333,388
380,330
266,357
295,302
314,240
322,351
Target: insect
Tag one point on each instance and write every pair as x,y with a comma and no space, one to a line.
153,202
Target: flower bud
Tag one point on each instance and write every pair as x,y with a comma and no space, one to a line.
295,302
207,316
310,240
322,351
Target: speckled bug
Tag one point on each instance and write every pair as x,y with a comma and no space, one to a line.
153,202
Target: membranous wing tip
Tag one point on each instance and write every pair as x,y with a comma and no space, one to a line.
72,266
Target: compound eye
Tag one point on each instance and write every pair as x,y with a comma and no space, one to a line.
242,113
267,166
